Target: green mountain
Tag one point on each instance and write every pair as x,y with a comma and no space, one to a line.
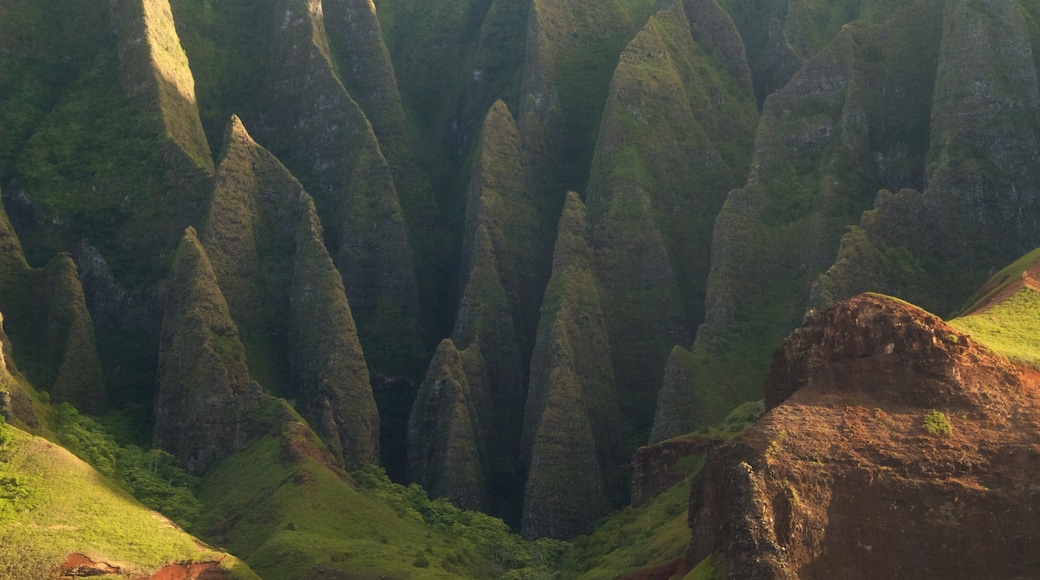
494,247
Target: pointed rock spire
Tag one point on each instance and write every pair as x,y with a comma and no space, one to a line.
330,375
446,441
204,398
571,423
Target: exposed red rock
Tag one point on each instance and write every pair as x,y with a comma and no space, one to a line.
840,478
79,566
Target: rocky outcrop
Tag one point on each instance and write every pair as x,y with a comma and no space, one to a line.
848,123
310,121
656,468
265,243
205,402
485,320
330,375
447,443
46,314
156,75
571,442
563,38
676,135
505,255
844,467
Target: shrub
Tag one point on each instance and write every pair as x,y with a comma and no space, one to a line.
937,423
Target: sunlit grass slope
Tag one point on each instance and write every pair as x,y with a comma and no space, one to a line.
1005,314
633,539
281,508
53,504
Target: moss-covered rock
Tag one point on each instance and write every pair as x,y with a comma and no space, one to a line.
265,243
206,407
572,429
572,49
309,120
447,443
980,186
330,376
156,75
852,120
676,135
781,36
48,317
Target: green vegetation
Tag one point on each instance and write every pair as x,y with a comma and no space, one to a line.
937,423
1010,327
53,504
1014,272
5,434
262,503
150,475
632,539
705,570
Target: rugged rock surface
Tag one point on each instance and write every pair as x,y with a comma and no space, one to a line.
841,478
676,135
330,375
447,442
205,403
572,428
980,199
46,313
850,122
265,243
310,121
656,468
156,74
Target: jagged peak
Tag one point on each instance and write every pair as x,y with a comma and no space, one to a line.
483,291
193,291
572,237
157,75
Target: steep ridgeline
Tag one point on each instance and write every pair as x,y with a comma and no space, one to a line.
572,429
447,438
980,198
206,406
265,243
47,315
572,49
106,161
453,60
676,135
506,256
854,119
309,120
781,36
892,441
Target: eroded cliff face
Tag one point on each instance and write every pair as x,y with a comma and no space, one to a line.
850,122
266,245
977,207
447,430
206,406
572,428
842,478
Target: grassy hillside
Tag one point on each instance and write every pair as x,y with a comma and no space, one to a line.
1005,313
53,504
281,507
